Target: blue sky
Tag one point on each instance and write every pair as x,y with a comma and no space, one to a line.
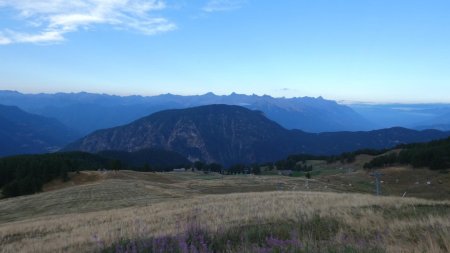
359,50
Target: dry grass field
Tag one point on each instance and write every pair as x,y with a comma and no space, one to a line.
96,191
96,212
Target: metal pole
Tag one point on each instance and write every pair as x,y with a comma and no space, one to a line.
377,176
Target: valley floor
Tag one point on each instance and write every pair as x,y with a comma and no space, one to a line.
110,211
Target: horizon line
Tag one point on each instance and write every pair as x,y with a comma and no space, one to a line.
339,101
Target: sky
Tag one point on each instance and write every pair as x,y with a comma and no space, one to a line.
346,50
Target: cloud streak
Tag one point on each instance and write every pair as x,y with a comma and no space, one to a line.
50,20
223,5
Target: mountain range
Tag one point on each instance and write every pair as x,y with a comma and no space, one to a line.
47,122
233,134
87,112
24,133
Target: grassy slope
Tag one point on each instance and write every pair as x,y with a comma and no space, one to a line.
365,215
131,205
94,191
397,180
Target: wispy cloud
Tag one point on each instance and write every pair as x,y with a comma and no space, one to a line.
4,40
223,5
50,20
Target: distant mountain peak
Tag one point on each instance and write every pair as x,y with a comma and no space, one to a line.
88,112
230,134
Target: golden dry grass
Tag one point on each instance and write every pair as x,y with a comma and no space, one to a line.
74,232
131,189
133,206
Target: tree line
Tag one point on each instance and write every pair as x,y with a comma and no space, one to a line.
26,174
434,155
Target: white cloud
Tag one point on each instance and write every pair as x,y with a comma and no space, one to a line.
223,5
4,40
43,37
50,20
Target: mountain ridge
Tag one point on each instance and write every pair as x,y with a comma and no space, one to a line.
24,133
233,134
88,112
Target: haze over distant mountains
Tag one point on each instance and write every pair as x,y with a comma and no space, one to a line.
415,116
233,134
46,122
88,112
22,132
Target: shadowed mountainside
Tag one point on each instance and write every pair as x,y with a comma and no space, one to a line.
156,158
232,134
23,133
